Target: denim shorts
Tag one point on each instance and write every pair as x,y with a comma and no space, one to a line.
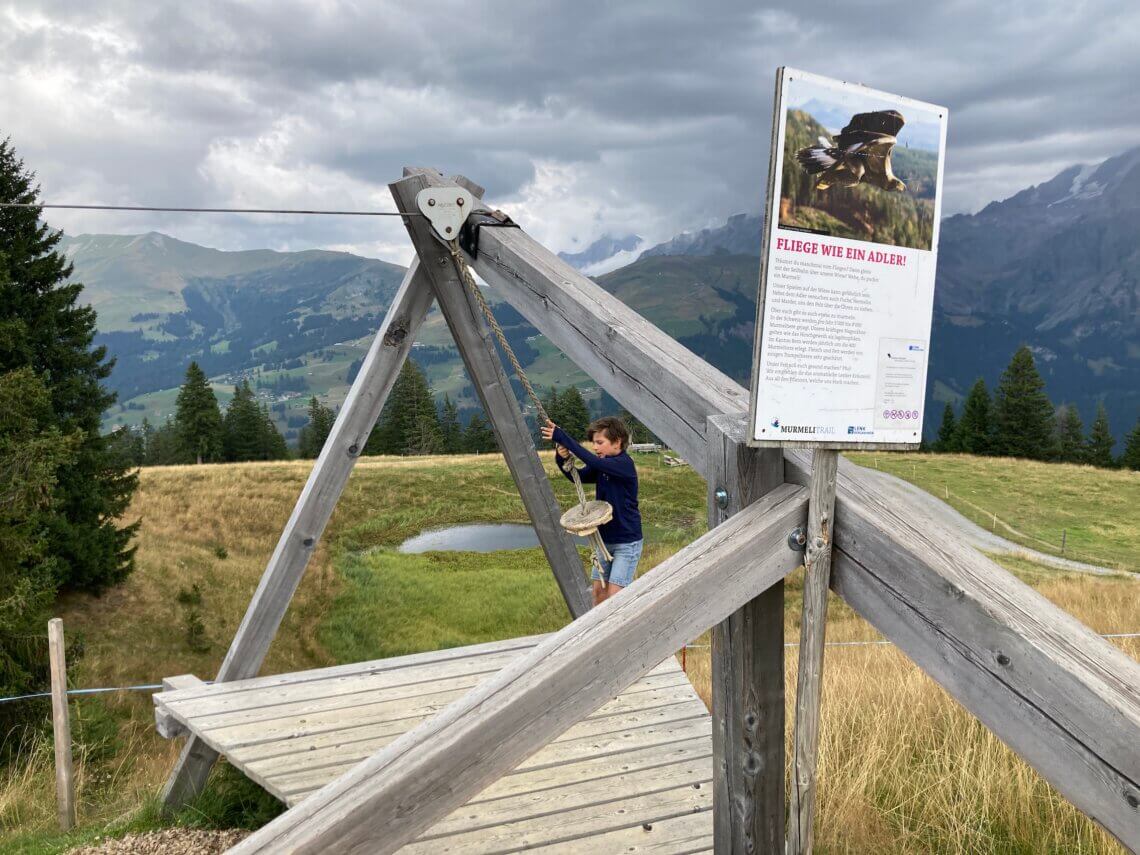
620,571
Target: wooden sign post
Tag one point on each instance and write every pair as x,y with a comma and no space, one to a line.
61,726
843,321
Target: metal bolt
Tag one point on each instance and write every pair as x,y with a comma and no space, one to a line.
431,203
448,229
797,539
721,496
442,261
308,541
459,201
353,449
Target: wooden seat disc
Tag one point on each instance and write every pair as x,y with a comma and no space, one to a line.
584,519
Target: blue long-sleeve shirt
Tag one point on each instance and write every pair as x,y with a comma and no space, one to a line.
615,481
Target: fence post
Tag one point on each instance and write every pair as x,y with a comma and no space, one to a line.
61,727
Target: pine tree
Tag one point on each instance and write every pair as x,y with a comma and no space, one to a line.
242,428
449,427
1023,416
575,415
975,432
32,451
316,432
198,419
479,438
1070,435
272,443
1131,457
409,423
43,326
164,447
947,431
1098,449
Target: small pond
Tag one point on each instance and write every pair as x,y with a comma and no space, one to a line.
478,537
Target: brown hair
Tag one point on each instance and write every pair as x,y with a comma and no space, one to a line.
613,428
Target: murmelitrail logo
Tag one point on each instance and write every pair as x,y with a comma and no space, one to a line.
817,429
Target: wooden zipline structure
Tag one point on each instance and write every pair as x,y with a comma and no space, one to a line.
1067,701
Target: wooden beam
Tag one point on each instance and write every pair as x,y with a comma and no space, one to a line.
813,626
747,663
664,384
310,515
1066,700
476,346
165,723
398,793
61,727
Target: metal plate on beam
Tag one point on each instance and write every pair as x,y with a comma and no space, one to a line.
446,209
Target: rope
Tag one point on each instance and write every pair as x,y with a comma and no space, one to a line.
598,546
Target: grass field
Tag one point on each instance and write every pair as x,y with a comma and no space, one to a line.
1032,503
903,767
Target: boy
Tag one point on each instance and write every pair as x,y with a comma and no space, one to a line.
614,476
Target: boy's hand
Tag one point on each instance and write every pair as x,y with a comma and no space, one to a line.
563,451
548,430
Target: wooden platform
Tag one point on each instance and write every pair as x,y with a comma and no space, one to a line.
633,777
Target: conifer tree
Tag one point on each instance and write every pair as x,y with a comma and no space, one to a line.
1098,449
575,414
409,423
273,445
32,451
243,428
164,447
1131,457
1070,435
314,434
450,429
1023,416
947,431
45,327
975,431
479,438
198,419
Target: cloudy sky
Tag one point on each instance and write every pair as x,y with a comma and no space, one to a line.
580,118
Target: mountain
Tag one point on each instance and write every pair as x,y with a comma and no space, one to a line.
739,236
604,249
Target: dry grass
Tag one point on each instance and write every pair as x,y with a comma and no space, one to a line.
903,767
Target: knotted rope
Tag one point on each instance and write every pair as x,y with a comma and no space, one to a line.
598,547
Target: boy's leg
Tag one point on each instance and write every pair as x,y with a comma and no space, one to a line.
624,566
599,592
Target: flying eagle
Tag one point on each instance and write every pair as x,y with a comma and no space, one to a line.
862,152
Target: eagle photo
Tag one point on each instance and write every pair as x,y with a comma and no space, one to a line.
861,171
862,152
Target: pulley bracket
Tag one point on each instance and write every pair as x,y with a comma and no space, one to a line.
446,208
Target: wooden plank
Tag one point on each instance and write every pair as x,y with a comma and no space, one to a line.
687,834
696,749
696,774
411,663
554,754
747,663
395,795
61,727
809,683
573,824
1066,700
665,385
476,346
167,725
366,740
311,514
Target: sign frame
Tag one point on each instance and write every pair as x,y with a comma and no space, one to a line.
771,225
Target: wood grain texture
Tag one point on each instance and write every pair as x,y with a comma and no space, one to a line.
397,794
476,346
747,664
813,626
1066,700
61,727
310,515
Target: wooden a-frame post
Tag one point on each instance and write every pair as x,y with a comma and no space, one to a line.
330,473
477,348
